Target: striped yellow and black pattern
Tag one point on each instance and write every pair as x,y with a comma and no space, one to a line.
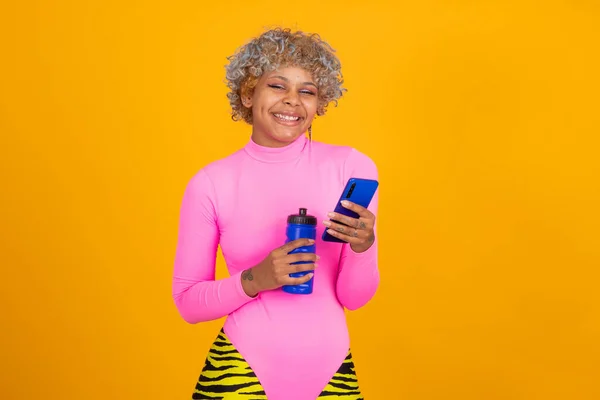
344,383
226,375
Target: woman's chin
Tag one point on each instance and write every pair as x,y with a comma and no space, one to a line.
287,137
277,136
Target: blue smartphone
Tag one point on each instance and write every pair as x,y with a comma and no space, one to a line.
359,191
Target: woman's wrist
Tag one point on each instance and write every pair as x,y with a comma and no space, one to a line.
249,283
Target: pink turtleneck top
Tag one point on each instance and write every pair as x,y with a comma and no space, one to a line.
294,343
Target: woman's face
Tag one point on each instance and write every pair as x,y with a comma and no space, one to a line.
284,103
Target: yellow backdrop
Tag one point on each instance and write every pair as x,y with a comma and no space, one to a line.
482,116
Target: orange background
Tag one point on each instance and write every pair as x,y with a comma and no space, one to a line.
482,116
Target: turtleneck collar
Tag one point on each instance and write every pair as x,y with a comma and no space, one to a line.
276,154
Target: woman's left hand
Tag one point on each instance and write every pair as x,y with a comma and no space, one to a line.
358,232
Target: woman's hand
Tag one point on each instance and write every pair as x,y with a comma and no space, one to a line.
274,271
358,232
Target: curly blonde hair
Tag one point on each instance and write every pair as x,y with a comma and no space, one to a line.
282,47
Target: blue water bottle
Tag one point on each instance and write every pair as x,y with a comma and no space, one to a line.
301,226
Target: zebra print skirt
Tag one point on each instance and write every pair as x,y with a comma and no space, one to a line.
229,376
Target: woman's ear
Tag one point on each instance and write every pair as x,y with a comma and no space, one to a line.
246,97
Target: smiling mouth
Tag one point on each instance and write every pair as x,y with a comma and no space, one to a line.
286,118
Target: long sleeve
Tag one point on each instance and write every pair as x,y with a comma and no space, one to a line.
358,277
198,297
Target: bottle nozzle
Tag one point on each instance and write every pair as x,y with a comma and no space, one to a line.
302,218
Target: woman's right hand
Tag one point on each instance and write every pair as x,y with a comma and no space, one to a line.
274,271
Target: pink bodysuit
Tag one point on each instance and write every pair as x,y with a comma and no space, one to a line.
294,343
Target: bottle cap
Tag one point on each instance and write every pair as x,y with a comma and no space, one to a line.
302,218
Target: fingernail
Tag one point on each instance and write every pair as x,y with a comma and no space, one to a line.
345,203
318,257
311,241
331,215
326,223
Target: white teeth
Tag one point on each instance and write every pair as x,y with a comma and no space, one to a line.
287,117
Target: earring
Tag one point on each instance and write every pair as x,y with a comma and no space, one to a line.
310,133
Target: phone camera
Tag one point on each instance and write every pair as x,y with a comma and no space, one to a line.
351,190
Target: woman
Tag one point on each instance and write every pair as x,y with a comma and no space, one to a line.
274,344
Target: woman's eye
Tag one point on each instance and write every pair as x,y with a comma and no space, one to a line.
280,87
